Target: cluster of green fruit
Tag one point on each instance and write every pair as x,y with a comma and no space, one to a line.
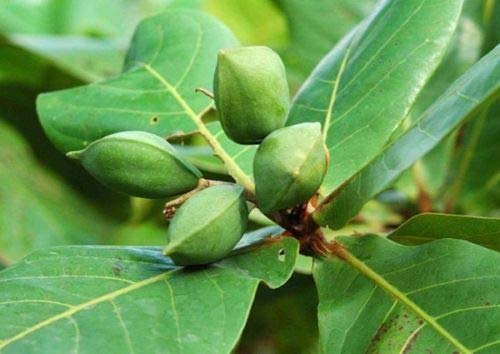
252,100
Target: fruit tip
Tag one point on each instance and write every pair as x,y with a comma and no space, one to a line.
74,155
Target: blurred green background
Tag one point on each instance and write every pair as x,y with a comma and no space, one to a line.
47,200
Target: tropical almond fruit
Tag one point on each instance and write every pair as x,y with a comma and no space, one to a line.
289,166
207,226
251,93
139,164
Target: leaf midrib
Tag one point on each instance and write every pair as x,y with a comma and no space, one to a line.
231,166
371,274
75,309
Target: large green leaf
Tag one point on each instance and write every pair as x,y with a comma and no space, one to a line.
381,297
362,90
464,50
171,55
315,27
476,88
36,208
424,228
134,299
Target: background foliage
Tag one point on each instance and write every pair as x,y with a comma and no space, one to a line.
47,200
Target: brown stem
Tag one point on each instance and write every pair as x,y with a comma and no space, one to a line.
172,205
204,91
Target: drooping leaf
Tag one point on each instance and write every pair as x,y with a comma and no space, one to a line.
87,59
170,56
63,16
381,297
37,209
473,90
424,228
315,27
97,29
362,90
127,294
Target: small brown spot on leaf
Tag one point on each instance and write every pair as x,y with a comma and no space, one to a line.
154,120
380,332
118,268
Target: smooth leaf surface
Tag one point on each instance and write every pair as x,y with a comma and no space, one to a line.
127,294
465,49
476,88
424,228
315,27
381,297
362,90
36,208
171,54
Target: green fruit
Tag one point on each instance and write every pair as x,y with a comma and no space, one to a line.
139,164
251,93
289,166
208,226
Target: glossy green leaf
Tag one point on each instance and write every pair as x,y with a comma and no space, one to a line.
127,294
424,228
361,91
465,49
381,297
476,88
171,54
315,27
36,208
